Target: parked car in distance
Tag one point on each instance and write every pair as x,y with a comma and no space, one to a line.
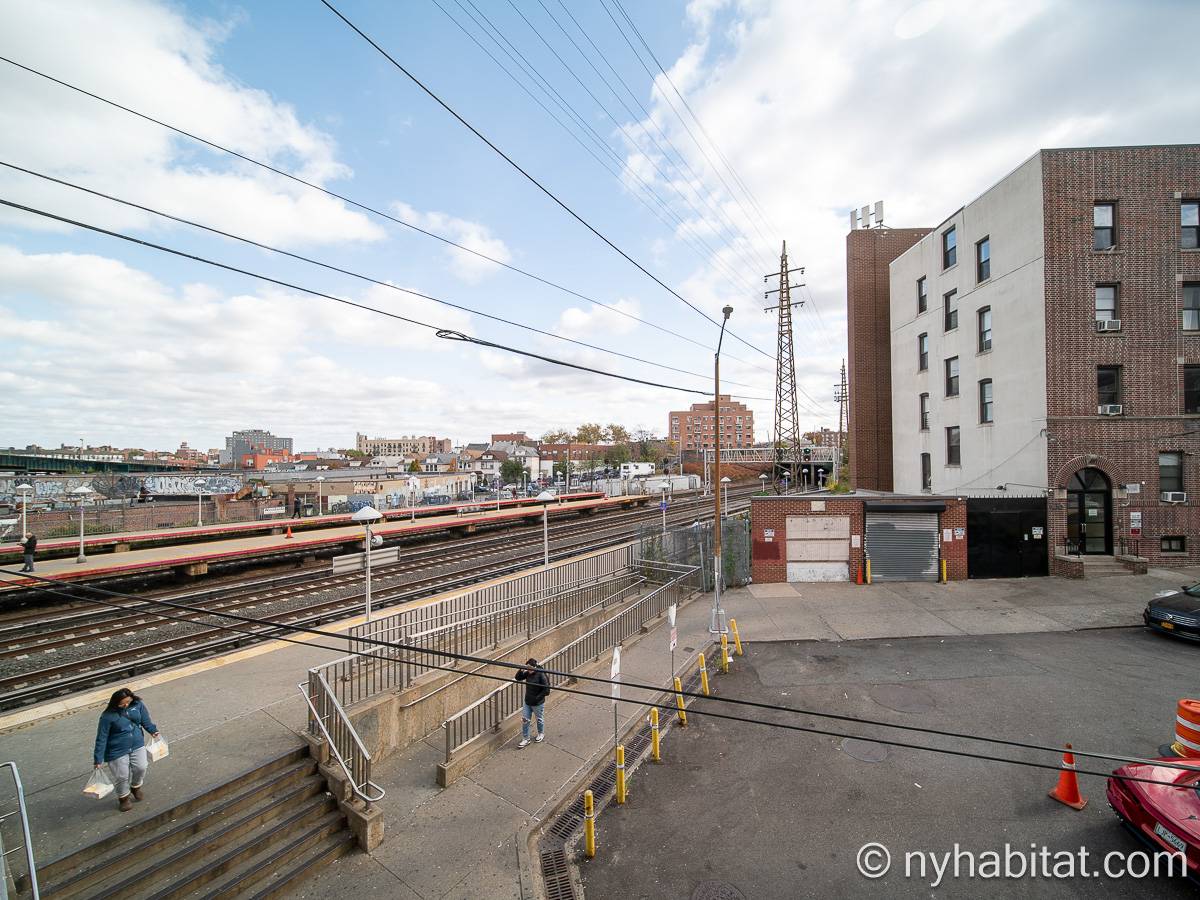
1165,817
1175,612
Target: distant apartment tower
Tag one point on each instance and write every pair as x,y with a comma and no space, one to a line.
695,429
1047,335
252,440
402,446
869,251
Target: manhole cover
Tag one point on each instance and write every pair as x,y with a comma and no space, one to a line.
864,751
717,890
902,698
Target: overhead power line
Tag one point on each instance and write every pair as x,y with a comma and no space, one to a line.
515,165
352,274
276,627
441,332
355,203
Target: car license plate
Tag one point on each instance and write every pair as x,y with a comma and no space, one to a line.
1173,839
1167,625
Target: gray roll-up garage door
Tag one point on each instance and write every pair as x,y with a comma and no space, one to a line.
903,546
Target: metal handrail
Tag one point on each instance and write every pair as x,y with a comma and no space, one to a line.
360,759
24,816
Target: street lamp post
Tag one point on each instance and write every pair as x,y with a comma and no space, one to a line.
725,484
81,493
199,482
366,516
717,625
320,498
663,506
24,490
544,498
763,479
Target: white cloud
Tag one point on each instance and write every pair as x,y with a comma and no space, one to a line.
153,59
473,235
574,322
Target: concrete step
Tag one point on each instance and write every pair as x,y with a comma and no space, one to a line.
272,825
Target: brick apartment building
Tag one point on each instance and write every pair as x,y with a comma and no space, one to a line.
694,429
869,252
402,446
1047,336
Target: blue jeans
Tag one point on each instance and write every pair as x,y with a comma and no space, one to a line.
527,713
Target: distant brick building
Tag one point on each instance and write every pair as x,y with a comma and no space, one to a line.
694,429
1059,348
869,252
402,446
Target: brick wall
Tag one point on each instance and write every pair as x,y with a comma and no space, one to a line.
769,557
60,523
1147,264
868,255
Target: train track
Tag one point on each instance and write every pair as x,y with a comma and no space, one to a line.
80,647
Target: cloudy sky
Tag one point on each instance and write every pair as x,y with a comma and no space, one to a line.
788,114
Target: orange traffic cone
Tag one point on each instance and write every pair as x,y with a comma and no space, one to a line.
1067,789
859,581
289,533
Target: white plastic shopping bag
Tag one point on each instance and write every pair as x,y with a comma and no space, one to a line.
157,748
99,785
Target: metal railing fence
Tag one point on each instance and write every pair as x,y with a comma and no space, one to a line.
327,719
488,712
25,883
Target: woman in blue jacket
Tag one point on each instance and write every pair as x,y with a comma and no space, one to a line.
119,743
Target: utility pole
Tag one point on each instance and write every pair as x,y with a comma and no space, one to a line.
787,423
717,625
841,396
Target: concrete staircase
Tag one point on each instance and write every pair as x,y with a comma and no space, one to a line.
1102,567
256,836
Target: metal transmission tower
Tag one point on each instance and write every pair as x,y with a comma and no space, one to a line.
841,396
787,423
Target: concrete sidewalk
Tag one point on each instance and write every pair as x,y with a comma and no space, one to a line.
233,713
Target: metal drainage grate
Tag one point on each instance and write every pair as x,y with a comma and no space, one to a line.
556,873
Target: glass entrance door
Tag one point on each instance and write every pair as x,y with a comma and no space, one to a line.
1089,512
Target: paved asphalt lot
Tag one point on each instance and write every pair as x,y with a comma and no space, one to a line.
781,814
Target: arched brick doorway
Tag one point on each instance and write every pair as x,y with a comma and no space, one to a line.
1089,512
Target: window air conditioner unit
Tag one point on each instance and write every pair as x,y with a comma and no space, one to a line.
1109,409
1108,324
1174,497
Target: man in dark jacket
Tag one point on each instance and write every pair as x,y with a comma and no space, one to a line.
537,689
27,548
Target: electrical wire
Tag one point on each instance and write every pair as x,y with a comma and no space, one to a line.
355,203
513,163
352,274
445,333
470,658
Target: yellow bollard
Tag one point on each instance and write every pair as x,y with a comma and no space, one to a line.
737,639
679,703
589,825
868,570
703,676
655,747
620,773
943,571
725,654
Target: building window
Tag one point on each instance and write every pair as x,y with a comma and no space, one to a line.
953,450
985,329
949,247
1191,390
952,377
1170,472
985,401
922,295
1191,307
983,259
950,305
922,352
924,412
926,472
1106,302
1108,384
1189,225
1104,226
1174,543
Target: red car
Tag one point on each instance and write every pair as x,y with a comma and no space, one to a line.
1161,816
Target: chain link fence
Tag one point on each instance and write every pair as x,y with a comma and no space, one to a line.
691,545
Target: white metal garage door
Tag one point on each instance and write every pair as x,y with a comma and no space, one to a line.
903,546
818,548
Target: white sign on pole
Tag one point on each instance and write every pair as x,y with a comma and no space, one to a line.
615,675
